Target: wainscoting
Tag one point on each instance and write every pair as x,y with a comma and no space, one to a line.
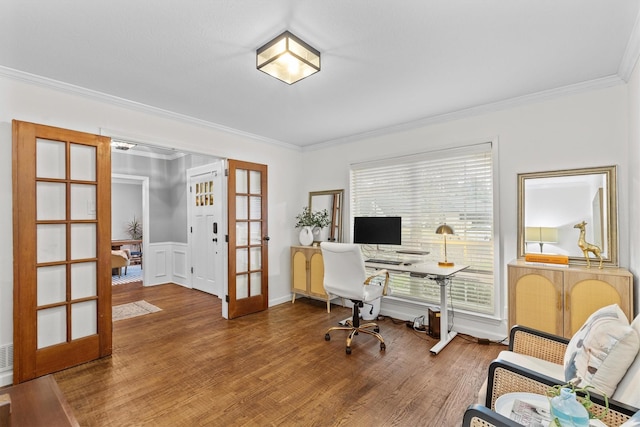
166,262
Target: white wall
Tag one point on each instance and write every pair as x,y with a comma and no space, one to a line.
126,203
573,131
35,103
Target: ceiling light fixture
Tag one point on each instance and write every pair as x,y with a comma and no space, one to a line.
121,145
288,58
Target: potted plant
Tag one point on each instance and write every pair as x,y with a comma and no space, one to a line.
134,229
311,223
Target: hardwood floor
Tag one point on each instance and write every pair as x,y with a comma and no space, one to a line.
187,366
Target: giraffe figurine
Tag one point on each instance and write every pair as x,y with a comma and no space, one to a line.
587,247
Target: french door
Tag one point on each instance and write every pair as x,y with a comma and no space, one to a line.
248,239
61,249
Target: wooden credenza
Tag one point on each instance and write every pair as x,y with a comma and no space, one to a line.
559,300
307,273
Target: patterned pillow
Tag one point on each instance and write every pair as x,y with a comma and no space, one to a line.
600,353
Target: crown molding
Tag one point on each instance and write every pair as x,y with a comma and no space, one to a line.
132,105
631,53
600,83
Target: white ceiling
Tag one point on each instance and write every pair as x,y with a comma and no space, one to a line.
385,63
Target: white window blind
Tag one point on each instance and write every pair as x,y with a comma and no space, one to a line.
449,186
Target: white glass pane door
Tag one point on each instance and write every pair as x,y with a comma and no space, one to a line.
66,242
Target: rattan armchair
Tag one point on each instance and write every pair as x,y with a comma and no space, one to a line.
480,416
507,377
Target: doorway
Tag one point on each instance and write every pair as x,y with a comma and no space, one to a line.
130,201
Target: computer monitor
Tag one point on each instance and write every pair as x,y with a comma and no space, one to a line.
377,230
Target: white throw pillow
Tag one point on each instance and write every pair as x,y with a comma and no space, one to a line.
600,353
627,391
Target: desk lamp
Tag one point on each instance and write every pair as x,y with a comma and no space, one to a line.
444,229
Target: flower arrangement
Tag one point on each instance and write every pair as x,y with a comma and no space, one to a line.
307,218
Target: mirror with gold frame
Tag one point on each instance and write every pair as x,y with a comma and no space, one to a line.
552,203
331,200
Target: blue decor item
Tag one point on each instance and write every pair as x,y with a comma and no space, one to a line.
567,411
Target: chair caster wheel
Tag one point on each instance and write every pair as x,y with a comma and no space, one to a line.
327,337
376,329
383,347
348,350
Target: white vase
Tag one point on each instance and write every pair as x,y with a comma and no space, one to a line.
316,234
306,236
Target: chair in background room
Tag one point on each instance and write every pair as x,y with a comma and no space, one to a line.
345,277
136,255
119,259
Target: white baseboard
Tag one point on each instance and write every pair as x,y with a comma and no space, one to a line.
6,378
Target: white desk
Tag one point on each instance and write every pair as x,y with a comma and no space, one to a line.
442,276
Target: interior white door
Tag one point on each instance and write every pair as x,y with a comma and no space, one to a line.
206,228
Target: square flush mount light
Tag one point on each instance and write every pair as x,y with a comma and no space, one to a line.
288,58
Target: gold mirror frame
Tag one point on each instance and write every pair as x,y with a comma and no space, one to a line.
332,201
608,209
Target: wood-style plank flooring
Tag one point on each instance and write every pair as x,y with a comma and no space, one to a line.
187,366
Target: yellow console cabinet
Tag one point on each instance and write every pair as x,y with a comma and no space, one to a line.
559,300
307,273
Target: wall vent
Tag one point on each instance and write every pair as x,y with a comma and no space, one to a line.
6,357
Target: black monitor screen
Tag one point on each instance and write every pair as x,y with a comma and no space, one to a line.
377,230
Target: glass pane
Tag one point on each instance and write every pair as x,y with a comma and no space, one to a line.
52,284
83,241
50,159
256,284
51,242
242,287
84,319
242,260
256,258
83,280
83,162
255,208
52,326
256,232
241,181
242,233
51,201
83,201
254,182
241,207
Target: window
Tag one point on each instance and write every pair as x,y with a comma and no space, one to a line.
453,186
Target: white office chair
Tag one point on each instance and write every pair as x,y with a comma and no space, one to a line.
345,277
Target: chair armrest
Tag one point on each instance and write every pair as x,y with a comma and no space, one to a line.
506,377
480,416
379,273
538,344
